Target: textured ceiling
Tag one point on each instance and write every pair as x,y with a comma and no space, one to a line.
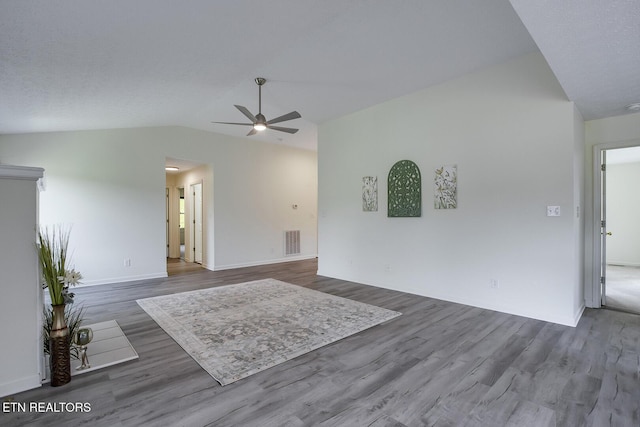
592,46
102,64
90,64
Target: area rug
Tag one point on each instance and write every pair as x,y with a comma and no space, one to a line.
109,347
238,330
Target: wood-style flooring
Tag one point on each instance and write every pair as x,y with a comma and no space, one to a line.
439,364
177,266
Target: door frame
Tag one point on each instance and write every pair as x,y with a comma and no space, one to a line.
181,231
596,285
194,230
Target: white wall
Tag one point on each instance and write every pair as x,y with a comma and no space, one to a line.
110,186
517,143
623,214
610,132
19,281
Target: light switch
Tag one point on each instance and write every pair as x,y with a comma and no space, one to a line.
553,210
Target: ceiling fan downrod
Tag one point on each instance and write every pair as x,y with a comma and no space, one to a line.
260,81
261,121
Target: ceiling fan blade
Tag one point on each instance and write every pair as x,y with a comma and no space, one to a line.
290,116
252,132
281,129
230,123
246,112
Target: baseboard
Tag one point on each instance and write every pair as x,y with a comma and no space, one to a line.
571,320
23,384
623,264
578,315
264,262
159,275
163,274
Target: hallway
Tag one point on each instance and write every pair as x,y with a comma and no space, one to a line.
177,266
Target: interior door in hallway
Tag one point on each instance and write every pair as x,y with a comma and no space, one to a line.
167,220
196,191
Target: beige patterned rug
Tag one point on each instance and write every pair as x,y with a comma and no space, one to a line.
237,330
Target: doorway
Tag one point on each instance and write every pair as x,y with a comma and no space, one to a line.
181,221
619,239
189,208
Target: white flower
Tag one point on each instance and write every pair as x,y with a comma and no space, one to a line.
71,277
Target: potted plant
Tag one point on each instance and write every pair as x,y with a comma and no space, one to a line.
57,277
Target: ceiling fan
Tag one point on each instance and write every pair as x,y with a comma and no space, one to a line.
259,122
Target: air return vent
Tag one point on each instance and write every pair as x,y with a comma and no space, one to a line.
292,242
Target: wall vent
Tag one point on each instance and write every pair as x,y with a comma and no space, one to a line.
292,242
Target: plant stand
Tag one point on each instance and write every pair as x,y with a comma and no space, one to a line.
60,348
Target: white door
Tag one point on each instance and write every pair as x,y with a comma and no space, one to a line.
167,218
604,155
603,228
197,222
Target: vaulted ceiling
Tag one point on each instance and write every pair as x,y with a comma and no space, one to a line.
89,64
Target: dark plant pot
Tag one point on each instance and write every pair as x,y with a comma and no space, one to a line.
59,348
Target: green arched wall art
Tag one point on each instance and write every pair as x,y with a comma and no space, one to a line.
405,190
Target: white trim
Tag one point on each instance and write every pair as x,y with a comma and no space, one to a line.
569,320
193,225
23,384
122,279
21,172
578,315
164,273
623,264
266,262
596,297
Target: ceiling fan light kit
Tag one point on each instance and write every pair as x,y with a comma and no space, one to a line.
259,121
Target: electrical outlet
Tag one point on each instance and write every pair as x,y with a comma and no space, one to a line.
127,262
553,210
494,284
